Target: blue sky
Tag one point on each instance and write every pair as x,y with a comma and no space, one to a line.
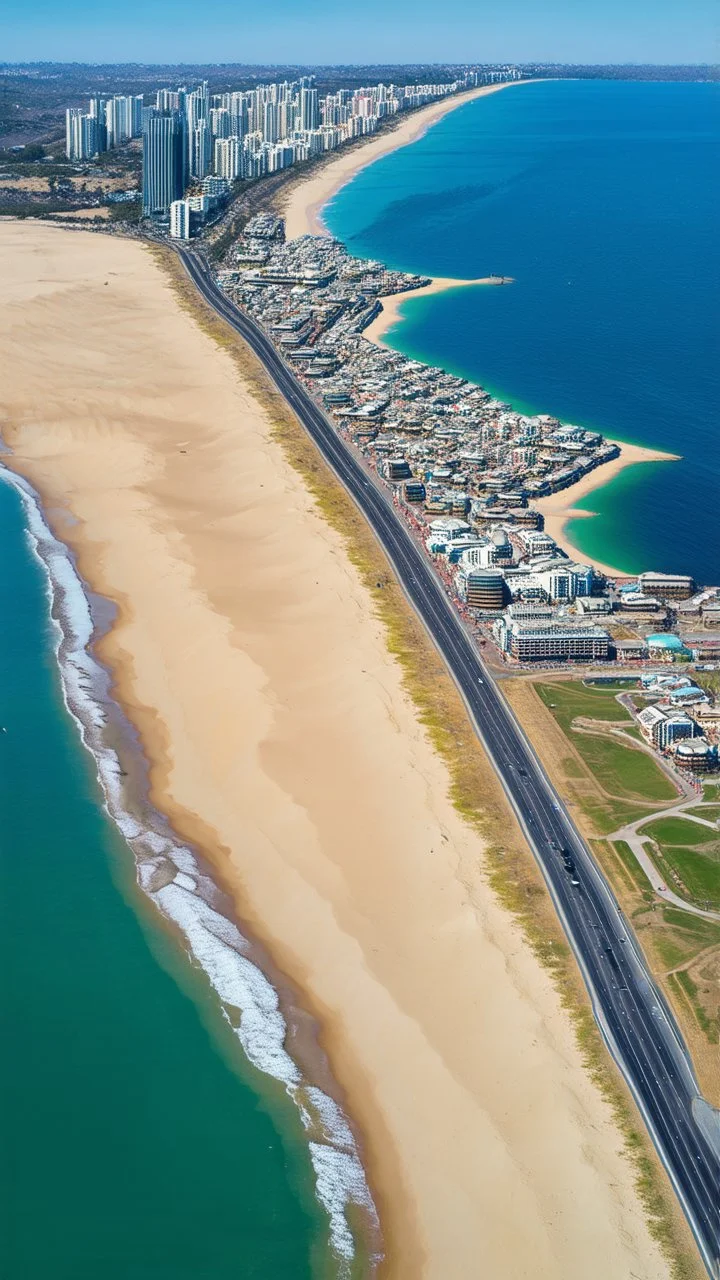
363,31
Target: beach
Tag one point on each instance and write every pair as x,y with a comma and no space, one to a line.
392,303
247,653
559,508
305,201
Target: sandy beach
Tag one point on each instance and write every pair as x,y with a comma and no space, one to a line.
392,303
247,653
559,508
306,200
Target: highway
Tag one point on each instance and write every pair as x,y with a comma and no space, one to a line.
635,1022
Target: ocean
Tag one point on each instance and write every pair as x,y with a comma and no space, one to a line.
600,198
148,1127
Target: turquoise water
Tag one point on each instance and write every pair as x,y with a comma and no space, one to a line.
136,1140
601,199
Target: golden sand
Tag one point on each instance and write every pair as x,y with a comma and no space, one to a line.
247,653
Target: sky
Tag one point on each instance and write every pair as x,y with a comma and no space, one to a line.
367,31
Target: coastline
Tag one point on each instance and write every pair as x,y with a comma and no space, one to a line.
559,508
280,660
302,207
392,303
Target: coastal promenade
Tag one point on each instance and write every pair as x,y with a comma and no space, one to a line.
636,1024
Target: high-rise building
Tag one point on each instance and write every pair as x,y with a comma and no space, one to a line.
309,117
123,118
220,122
97,110
180,219
163,161
229,158
200,149
81,135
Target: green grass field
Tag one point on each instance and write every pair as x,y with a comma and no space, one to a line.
571,699
692,852
620,770
710,812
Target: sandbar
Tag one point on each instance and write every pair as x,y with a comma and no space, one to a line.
247,652
306,199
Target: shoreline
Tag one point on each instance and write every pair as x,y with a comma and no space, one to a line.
558,509
302,211
392,303
278,1037
354,871
303,205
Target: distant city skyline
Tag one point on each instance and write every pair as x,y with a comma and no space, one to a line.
616,31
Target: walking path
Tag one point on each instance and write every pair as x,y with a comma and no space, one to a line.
630,834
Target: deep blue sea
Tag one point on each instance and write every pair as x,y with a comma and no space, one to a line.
602,200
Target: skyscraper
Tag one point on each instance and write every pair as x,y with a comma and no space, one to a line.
229,159
200,150
81,135
309,111
163,161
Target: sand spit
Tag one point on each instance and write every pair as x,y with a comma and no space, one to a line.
559,508
392,303
303,209
247,654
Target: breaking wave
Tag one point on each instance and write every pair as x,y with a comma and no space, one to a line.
172,876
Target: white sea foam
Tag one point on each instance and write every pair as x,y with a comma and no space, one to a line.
186,882
214,941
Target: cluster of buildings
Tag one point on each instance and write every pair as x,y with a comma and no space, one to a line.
681,720
107,123
252,133
464,469
190,135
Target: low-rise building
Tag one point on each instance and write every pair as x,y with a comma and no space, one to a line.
551,641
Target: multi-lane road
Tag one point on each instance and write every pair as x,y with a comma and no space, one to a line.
635,1022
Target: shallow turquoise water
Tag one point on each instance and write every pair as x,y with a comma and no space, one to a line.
601,199
136,1143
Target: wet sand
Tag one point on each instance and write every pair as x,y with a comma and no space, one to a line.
303,209
247,653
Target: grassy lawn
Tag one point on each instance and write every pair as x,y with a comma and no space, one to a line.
679,831
710,812
568,699
692,853
623,771
620,770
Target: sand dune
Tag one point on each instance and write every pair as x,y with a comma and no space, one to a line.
247,653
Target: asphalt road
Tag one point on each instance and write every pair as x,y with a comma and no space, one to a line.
635,1022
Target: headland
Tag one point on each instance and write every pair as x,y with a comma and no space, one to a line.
248,653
